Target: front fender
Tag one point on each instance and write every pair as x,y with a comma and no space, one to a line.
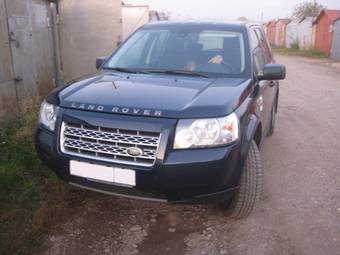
248,136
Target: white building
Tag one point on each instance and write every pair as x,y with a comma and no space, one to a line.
87,29
92,28
292,33
305,33
133,17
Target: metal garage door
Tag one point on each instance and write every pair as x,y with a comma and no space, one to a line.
7,89
335,53
31,41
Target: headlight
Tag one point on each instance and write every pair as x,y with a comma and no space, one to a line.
206,132
48,115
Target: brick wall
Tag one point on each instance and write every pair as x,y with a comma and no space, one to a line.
324,33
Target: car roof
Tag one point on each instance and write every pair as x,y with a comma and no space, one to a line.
234,25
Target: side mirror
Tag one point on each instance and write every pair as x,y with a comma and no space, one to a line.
100,61
273,72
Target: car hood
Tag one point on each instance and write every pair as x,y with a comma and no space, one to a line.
155,95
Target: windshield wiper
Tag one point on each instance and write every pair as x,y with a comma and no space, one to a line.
123,70
175,72
162,71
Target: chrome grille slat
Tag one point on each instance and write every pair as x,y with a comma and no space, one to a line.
111,137
102,148
108,144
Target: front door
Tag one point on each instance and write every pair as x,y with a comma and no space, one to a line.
268,89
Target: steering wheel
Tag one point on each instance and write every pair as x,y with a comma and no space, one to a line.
228,66
212,67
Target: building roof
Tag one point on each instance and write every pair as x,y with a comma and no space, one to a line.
294,21
309,18
327,12
271,22
286,21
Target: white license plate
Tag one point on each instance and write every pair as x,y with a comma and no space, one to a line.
103,173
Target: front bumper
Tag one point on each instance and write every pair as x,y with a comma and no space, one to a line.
178,176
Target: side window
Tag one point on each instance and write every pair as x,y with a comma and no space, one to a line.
259,60
264,45
254,40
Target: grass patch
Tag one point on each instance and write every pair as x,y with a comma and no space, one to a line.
29,192
295,51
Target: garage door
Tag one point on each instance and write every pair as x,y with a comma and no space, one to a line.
30,34
335,53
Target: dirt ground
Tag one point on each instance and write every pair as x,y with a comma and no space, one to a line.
299,214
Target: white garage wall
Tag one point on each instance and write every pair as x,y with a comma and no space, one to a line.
305,33
292,33
88,29
133,17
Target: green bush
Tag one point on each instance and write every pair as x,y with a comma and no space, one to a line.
295,46
295,51
27,188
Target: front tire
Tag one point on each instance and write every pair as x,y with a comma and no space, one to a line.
251,186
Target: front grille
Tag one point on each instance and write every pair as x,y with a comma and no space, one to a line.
109,144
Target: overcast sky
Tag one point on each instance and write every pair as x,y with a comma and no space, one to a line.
229,9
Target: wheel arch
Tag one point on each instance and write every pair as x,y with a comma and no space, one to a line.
253,131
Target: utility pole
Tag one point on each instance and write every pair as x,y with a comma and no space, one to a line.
315,9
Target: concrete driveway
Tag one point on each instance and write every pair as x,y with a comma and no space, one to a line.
299,214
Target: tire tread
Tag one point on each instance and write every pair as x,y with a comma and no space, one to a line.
251,185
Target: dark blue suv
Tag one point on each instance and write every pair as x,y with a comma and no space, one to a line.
177,113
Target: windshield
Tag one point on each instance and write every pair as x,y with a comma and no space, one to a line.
205,51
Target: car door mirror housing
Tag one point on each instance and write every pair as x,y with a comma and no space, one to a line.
100,61
273,72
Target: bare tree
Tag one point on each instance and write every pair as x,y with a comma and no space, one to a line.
312,8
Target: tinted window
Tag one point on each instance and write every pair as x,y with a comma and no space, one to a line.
264,45
211,42
259,59
208,51
254,40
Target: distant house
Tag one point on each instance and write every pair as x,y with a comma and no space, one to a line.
280,33
324,25
271,30
292,33
305,33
